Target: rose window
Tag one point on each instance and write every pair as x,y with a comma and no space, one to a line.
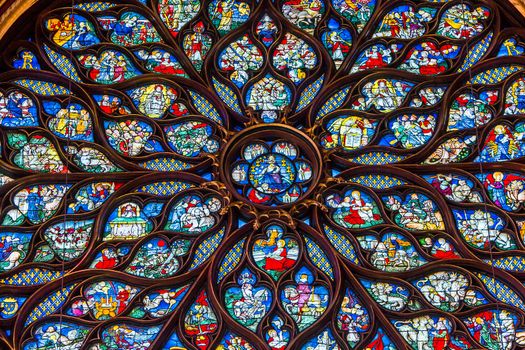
288,174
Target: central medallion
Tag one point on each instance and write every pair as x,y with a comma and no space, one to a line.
272,173
271,165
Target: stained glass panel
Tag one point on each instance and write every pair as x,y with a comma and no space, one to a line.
263,174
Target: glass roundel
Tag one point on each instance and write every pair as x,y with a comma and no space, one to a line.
271,165
262,174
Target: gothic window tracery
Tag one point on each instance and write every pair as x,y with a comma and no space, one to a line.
288,174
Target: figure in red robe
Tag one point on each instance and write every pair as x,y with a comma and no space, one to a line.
278,259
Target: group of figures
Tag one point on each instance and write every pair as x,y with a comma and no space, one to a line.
241,174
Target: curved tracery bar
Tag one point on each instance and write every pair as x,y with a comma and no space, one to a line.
326,174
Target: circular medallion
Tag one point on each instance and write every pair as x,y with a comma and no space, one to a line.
271,165
272,173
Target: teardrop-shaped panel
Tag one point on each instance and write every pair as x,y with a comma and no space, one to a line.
305,300
249,302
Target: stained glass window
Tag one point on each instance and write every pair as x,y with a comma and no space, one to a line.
258,174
